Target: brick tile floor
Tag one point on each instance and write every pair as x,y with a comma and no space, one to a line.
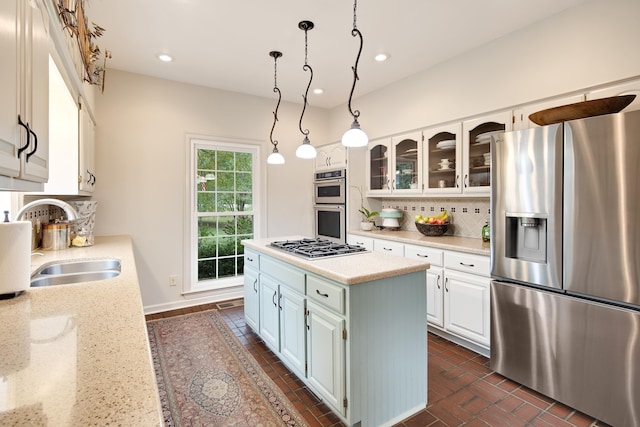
462,388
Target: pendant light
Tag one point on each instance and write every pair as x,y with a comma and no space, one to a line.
306,150
275,158
355,137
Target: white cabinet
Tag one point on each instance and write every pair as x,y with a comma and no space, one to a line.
442,159
269,313
251,298
86,162
388,247
628,88
377,167
476,167
466,301
394,165
467,306
24,124
332,156
326,355
366,242
521,115
435,280
292,330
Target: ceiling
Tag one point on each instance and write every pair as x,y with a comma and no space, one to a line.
225,44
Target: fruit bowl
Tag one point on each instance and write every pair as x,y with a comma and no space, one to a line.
432,229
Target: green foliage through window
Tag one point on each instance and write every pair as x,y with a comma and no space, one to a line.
224,190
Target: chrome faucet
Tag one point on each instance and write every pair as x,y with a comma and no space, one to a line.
69,210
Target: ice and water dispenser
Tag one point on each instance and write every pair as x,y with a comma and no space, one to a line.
526,238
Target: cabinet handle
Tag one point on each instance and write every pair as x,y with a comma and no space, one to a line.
466,180
321,294
388,249
388,187
279,302
467,265
26,126
273,300
446,282
249,259
255,286
35,145
438,282
393,184
360,243
422,256
306,318
457,181
88,179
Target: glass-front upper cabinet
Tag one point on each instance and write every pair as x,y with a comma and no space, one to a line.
443,159
377,165
407,163
477,135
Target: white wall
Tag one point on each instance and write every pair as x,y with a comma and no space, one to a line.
588,45
142,123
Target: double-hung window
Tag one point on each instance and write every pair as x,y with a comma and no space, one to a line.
223,199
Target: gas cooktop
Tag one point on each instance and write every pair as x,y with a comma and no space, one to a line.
316,248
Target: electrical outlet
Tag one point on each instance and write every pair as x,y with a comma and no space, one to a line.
173,280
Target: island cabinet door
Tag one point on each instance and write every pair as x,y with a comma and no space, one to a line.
326,355
292,330
251,299
269,313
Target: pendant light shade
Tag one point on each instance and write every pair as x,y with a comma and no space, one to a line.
355,137
275,158
306,150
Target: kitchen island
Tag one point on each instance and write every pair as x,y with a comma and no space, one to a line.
78,354
353,328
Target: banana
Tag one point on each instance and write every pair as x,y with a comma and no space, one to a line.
444,215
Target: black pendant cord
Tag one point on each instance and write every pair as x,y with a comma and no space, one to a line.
355,33
275,55
306,26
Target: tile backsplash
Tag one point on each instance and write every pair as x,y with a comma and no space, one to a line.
466,216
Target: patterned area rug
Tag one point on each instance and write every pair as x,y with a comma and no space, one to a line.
207,378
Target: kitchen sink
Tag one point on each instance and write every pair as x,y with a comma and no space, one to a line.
67,279
65,273
82,266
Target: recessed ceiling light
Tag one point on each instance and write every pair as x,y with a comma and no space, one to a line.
164,57
381,57
318,91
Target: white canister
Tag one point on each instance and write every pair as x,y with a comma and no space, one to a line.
15,262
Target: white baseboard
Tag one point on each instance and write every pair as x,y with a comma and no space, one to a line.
192,300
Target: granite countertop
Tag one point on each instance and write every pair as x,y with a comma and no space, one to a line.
78,354
453,243
348,269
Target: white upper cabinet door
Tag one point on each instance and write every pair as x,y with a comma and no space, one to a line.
332,156
476,150
628,88
521,115
443,159
377,166
406,170
9,162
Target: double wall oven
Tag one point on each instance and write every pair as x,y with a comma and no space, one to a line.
330,199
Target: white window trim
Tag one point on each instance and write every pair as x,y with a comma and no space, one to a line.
191,284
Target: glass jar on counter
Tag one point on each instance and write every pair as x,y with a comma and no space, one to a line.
486,232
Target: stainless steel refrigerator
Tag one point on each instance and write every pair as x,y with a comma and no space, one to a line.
565,263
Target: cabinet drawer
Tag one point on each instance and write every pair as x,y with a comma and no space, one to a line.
283,274
366,242
252,259
434,256
388,247
469,263
325,293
